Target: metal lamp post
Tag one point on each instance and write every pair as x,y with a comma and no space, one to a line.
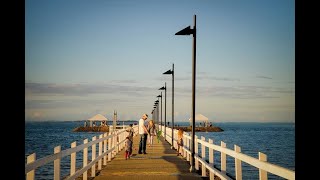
172,72
188,31
156,119
165,107
160,96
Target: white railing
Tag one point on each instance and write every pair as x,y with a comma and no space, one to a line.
261,163
112,143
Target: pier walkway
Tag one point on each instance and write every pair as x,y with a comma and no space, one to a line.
160,162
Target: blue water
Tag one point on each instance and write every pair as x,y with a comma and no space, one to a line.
276,140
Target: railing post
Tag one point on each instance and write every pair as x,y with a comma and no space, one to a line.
117,142
237,164
112,144
85,159
109,146
196,162
262,173
223,159
105,149
211,159
73,160
93,157
124,135
56,164
100,152
188,146
203,156
185,145
31,158
176,136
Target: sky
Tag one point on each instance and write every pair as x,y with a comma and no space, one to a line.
88,57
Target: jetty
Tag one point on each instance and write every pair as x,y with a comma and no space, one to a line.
160,162
107,160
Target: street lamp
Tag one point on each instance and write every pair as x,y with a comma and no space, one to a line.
157,111
152,112
172,72
188,31
165,107
161,106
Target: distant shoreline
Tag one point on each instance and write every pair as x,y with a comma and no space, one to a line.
184,128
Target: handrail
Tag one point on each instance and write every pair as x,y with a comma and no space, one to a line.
261,165
113,148
61,154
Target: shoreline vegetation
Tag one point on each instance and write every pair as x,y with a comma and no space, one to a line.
184,128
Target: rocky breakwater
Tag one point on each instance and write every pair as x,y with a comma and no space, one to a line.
92,129
200,129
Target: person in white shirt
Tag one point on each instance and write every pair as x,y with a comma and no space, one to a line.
143,132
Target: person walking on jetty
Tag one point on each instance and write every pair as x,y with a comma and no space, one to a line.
128,147
143,132
180,141
152,132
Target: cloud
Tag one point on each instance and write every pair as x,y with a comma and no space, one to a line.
219,78
238,92
124,81
263,77
74,103
84,89
199,77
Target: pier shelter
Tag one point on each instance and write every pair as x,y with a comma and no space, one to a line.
98,117
200,118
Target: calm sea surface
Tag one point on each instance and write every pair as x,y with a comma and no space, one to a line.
276,140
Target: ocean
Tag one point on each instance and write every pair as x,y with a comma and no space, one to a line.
276,140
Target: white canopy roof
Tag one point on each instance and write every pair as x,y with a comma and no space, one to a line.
200,117
98,117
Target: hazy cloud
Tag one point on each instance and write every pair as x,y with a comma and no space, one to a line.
218,78
75,103
84,89
263,77
124,81
240,92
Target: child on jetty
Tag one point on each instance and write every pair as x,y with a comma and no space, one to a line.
130,130
128,147
180,141
152,132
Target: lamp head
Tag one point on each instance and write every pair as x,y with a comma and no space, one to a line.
185,31
168,72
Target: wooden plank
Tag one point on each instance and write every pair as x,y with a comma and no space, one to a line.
109,147
100,152
196,162
56,164
85,160
105,149
93,157
73,159
203,155
262,173
215,171
211,153
223,159
31,158
237,163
